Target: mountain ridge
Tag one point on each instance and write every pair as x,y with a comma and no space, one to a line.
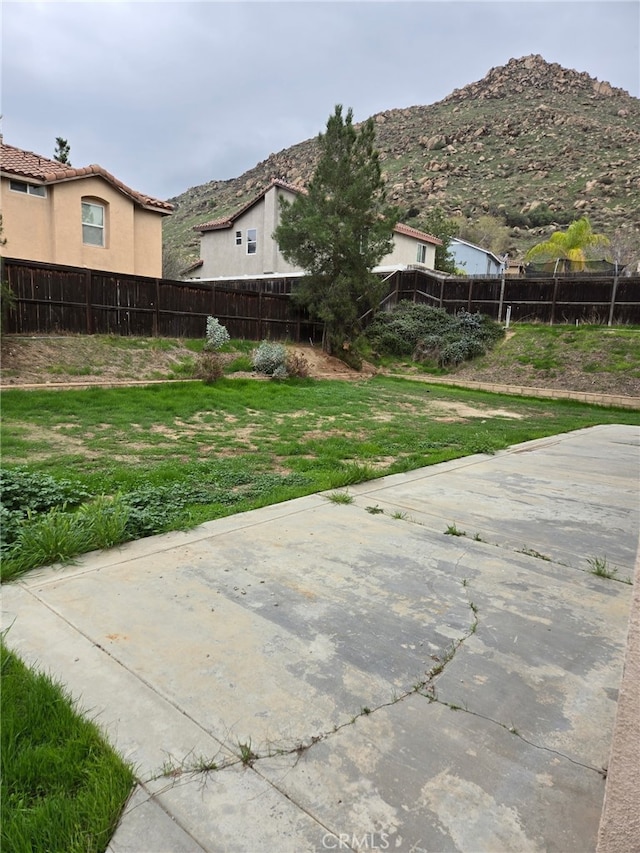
532,143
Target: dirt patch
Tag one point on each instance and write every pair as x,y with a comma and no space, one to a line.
71,361
461,411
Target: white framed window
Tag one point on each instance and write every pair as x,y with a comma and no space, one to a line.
252,241
238,238
93,219
421,257
28,189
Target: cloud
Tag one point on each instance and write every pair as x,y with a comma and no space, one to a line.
167,95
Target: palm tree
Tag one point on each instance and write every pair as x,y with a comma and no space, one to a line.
576,245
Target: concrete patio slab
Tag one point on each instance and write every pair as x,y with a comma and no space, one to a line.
359,678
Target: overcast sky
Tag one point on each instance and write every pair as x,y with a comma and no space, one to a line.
168,95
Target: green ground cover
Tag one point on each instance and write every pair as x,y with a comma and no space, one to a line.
62,787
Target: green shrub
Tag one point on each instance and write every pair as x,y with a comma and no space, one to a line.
398,332
269,358
430,334
216,334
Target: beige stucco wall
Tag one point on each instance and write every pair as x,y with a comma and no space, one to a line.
222,257
50,229
405,252
147,228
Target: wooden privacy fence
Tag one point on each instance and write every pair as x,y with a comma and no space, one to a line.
49,299
608,300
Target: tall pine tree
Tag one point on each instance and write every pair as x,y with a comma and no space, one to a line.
338,231
62,152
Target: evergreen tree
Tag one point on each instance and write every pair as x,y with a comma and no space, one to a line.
63,149
338,231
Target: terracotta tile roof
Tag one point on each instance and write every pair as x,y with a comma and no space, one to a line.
25,164
194,266
418,235
227,221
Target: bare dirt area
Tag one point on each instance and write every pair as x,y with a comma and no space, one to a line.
71,361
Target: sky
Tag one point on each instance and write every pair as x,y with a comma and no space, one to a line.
170,95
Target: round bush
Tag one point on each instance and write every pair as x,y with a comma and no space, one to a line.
268,357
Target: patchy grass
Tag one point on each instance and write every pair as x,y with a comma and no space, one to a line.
171,456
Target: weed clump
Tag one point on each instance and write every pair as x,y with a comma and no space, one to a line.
209,367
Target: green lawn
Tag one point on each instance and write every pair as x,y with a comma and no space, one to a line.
137,461
63,787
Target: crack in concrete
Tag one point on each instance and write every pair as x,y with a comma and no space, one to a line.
602,771
524,549
248,757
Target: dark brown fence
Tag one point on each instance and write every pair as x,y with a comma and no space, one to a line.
50,299
608,300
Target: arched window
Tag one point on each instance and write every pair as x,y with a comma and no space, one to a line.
94,222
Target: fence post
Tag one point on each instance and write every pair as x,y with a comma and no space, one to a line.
260,315
87,296
614,290
441,293
470,295
501,302
553,301
156,313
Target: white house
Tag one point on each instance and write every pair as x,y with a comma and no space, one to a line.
475,260
242,245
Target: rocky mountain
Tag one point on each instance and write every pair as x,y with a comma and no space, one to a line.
533,144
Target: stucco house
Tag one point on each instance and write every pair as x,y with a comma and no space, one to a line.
475,260
242,245
83,217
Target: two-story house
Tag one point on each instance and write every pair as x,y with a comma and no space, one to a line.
57,214
242,245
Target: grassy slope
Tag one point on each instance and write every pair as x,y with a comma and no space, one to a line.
596,359
585,358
